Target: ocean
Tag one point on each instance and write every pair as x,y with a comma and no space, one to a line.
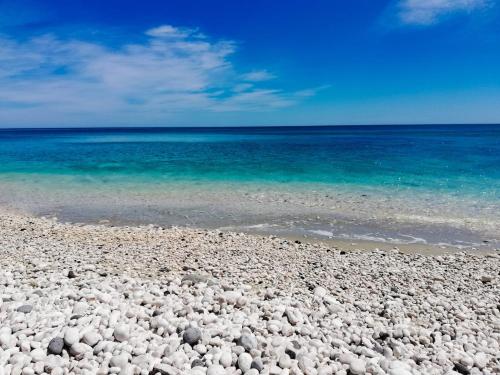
451,172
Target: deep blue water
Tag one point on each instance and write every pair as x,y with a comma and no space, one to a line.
456,159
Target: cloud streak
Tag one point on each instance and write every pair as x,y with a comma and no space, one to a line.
429,12
174,70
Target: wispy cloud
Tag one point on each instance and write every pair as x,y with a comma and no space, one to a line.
174,70
258,76
428,12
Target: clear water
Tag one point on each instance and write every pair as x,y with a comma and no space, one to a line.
396,184
455,160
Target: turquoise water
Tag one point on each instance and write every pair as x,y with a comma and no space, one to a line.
450,159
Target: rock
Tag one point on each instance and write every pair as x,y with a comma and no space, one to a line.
37,355
196,278
197,363
480,360
79,348
226,359
71,274
357,367
80,308
56,346
91,338
487,279
216,370
71,336
191,336
257,364
244,362
305,363
320,292
26,309
294,316
121,333
462,369
247,341
164,369
285,361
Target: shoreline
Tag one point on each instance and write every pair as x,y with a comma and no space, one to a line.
148,300
314,213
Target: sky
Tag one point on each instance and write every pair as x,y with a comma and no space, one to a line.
241,63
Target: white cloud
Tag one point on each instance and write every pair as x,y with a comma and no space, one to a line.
169,31
427,12
257,76
50,78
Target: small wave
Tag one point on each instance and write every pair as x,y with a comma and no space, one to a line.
322,233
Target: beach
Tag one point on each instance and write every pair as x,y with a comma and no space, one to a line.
99,299
283,251
396,185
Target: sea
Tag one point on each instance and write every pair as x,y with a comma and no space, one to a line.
369,181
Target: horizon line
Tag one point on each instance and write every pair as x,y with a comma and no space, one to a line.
135,127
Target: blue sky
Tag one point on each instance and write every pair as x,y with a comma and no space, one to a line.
180,63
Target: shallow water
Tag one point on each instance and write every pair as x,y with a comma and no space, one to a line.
392,183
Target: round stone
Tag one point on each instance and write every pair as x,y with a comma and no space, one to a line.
121,332
257,364
244,362
357,367
79,348
191,336
91,338
26,309
216,370
197,363
56,346
226,359
248,342
71,336
37,355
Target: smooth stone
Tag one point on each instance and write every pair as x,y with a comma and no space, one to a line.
37,355
91,338
357,367
79,348
197,363
56,346
71,336
26,309
248,342
257,364
216,370
191,336
226,359
244,362
121,333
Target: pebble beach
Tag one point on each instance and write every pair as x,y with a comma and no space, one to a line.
96,299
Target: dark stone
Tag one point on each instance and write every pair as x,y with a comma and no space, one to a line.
257,364
26,309
71,274
163,369
248,342
197,362
56,346
383,335
191,336
461,369
291,353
